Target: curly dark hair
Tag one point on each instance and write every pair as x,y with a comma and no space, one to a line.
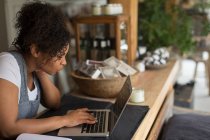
44,25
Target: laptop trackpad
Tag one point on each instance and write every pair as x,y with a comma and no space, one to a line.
67,131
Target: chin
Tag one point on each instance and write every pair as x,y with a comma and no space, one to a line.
50,73
53,72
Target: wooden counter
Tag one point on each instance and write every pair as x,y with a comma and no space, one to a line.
156,85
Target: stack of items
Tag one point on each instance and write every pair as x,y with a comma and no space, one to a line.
109,68
107,9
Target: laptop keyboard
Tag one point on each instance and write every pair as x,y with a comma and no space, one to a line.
99,126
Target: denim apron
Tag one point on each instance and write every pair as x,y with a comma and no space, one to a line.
26,108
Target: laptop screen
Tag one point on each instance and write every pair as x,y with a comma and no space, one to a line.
121,100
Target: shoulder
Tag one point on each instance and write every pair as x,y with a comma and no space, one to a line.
9,68
7,60
6,57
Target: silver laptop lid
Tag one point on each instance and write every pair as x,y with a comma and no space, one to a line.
120,103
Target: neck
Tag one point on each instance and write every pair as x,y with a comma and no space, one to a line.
29,64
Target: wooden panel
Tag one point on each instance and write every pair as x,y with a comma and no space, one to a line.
164,114
208,70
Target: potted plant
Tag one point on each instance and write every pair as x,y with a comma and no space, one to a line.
160,27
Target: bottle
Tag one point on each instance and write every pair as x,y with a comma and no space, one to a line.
103,48
112,46
94,49
88,45
82,48
108,47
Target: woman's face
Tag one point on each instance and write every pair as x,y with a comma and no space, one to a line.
55,64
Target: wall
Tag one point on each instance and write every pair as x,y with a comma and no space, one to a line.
9,8
3,31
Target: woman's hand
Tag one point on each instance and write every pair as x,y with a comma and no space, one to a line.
79,116
41,73
50,94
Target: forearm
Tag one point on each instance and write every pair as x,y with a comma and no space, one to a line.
37,126
50,92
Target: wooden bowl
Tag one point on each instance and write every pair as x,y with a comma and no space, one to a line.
102,88
155,67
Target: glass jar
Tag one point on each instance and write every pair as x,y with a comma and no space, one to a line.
108,9
96,9
137,95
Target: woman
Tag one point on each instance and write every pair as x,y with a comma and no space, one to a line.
41,46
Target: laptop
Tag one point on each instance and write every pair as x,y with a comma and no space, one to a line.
106,118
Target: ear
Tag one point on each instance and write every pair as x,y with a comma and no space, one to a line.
34,50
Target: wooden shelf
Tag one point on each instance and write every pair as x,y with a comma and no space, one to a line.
116,20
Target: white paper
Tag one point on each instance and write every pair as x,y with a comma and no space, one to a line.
126,69
112,61
27,136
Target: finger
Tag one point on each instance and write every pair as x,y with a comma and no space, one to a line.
92,119
85,113
83,109
90,122
90,116
87,116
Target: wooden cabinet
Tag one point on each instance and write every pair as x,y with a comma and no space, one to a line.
158,88
116,20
